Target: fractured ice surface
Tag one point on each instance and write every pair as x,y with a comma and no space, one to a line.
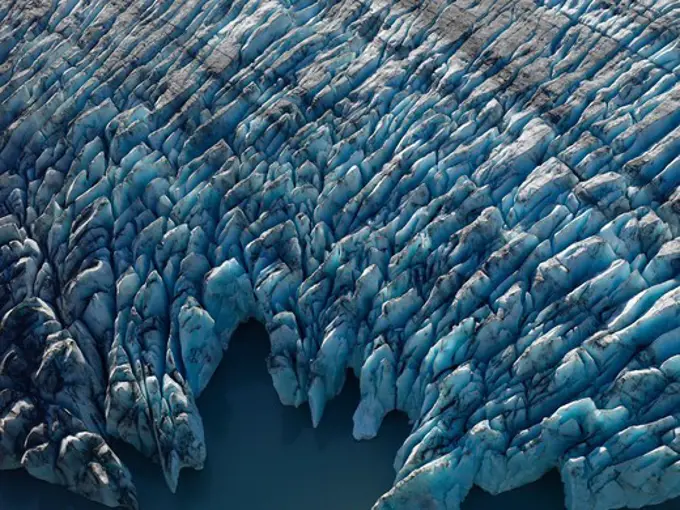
472,204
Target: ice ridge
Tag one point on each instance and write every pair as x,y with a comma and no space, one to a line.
471,204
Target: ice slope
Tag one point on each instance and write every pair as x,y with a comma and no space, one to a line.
473,204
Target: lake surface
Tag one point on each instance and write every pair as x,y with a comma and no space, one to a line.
264,456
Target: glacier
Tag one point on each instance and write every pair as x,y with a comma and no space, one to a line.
470,204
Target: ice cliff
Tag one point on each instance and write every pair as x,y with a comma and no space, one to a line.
472,204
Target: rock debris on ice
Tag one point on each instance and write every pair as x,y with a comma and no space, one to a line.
472,204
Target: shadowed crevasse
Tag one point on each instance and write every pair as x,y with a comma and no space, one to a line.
471,204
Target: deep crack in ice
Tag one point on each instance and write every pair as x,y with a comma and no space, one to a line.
473,204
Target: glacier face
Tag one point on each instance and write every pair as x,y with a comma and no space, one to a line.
472,204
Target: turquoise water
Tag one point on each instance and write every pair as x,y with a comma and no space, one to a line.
264,456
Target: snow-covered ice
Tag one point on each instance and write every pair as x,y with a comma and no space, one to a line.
472,204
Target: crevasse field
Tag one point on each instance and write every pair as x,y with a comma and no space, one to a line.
470,204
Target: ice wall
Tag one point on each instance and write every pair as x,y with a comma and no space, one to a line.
472,204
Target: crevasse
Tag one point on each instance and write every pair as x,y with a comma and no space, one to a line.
472,204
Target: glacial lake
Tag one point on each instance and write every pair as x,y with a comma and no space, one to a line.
264,456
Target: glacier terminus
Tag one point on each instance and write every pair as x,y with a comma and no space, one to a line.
472,205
